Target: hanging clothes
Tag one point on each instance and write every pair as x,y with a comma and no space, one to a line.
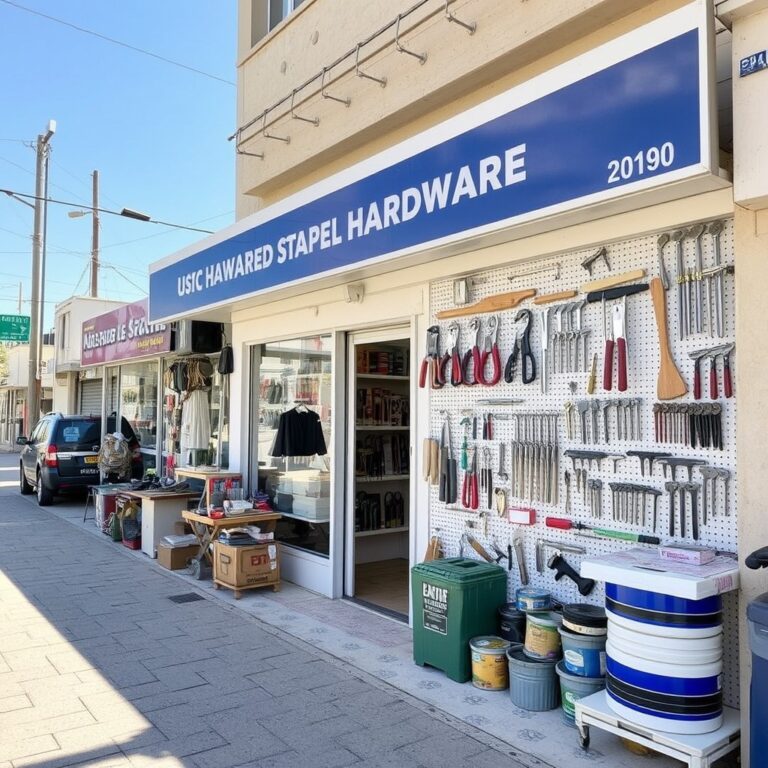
195,422
299,433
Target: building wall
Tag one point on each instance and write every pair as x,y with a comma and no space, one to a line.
18,366
77,310
749,20
513,42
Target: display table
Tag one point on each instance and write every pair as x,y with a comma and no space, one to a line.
696,751
206,529
213,479
159,511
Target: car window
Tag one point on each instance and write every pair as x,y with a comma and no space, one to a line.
37,431
77,434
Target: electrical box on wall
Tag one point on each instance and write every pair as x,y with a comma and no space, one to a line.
198,337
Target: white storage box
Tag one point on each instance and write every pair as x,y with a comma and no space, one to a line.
285,484
317,485
312,507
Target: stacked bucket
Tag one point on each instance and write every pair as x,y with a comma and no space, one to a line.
551,644
664,660
582,668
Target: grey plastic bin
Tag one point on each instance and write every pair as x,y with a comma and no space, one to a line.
757,615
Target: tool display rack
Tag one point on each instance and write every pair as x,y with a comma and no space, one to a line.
552,274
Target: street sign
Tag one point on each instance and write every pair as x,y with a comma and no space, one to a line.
14,328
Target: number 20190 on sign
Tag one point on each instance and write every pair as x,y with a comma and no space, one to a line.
645,161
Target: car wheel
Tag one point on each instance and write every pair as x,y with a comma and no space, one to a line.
24,487
44,495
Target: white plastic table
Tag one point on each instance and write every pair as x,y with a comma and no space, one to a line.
700,751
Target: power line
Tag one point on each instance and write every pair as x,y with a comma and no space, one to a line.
117,42
128,280
126,212
162,234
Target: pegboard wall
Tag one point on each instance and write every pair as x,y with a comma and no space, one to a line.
551,275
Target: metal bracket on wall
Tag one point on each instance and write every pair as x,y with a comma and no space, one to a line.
286,139
422,57
382,81
556,267
314,120
471,27
346,102
239,151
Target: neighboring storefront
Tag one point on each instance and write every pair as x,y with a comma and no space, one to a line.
140,377
13,392
332,316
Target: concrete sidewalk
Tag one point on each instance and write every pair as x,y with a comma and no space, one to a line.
367,688
100,666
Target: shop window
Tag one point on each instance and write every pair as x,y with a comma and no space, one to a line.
195,426
138,405
293,437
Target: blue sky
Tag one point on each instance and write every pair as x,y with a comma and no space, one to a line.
156,133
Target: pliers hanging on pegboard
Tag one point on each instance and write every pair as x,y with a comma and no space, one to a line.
490,350
472,356
511,367
522,346
470,498
432,364
454,334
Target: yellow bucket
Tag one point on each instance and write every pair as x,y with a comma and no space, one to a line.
489,662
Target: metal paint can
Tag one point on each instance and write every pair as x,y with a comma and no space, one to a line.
489,662
532,599
542,639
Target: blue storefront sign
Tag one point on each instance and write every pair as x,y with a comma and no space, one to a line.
630,126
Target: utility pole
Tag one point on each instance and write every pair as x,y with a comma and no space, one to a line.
36,316
20,296
95,237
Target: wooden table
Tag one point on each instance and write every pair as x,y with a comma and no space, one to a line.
159,511
206,529
210,476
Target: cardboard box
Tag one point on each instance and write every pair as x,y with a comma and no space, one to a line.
175,558
246,566
181,527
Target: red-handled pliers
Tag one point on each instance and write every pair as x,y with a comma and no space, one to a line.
490,349
472,355
454,334
432,365
470,498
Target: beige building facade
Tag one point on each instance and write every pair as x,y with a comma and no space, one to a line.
328,98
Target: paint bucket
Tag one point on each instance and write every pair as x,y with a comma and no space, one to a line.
615,619
531,599
511,623
489,662
573,688
585,619
583,655
542,640
532,684
660,611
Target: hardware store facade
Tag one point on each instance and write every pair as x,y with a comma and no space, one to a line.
364,195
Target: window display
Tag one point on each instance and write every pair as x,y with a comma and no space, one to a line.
138,405
195,414
293,437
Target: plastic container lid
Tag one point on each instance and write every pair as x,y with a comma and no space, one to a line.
490,643
515,653
577,615
757,610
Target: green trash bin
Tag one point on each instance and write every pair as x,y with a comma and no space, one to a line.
454,600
